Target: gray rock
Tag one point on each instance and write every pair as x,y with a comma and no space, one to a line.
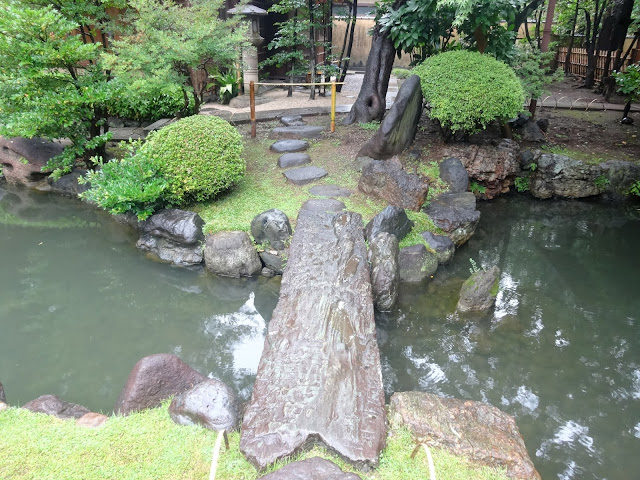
299,132
416,264
329,191
274,261
361,163
68,184
440,245
171,252
210,403
314,468
526,159
305,175
52,405
398,129
271,227
267,272
3,399
22,159
292,120
531,132
455,214
328,205
472,430
153,379
385,277
479,291
453,173
519,121
320,368
231,254
179,226
387,180
284,146
621,176
289,160
392,220
561,176
543,124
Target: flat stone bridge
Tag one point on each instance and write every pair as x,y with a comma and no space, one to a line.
319,378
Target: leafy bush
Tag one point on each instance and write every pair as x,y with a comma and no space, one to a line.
146,100
199,156
532,68
629,82
401,73
468,90
133,184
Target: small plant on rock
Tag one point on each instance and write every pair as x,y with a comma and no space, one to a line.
477,189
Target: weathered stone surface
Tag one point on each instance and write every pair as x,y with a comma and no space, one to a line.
385,276
440,245
68,184
274,261
22,159
621,175
543,123
169,251
53,405
479,291
361,162
92,420
3,399
304,175
284,146
319,377
210,403
231,254
453,173
272,227
328,205
291,120
494,167
153,379
392,220
456,214
388,181
416,264
519,121
474,430
267,272
314,468
531,132
561,176
295,159
330,191
399,126
180,226
299,132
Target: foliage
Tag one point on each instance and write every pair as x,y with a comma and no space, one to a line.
133,184
474,267
467,90
522,183
533,69
476,188
370,126
146,99
200,156
629,82
601,182
52,81
401,73
227,84
635,188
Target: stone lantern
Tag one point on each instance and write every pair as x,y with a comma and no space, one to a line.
250,54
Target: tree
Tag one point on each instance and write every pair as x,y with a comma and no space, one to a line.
53,83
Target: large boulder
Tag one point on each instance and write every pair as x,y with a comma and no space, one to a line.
383,261
416,264
314,468
391,220
68,184
453,173
153,379
561,176
231,254
531,132
271,227
455,214
210,403
621,176
474,430
440,245
23,159
169,251
479,291
388,180
53,405
274,260
398,129
179,226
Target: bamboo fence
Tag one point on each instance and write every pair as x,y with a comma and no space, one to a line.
578,60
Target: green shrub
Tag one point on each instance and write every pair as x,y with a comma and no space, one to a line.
132,184
401,73
200,156
468,90
147,100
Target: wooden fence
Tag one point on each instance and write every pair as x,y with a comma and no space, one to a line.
578,60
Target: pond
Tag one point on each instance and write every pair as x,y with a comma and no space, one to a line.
79,305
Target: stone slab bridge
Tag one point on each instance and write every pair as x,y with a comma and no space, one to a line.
319,378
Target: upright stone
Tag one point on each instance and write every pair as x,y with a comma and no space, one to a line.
383,257
319,377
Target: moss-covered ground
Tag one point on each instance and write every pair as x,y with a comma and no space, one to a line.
149,446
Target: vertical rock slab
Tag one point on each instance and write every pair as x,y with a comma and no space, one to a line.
319,378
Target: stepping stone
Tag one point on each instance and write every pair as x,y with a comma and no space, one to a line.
283,146
305,131
330,191
292,121
293,160
304,175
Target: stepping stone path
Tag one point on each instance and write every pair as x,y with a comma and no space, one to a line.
285,146
329,191
301,131
292,121
289,160
304,175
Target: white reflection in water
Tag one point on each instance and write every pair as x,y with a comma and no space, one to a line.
635,385
434,375
570,472
525,397
507,300
560,341
636,430
537,324
571,435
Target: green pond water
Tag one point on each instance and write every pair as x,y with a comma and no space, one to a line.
79,305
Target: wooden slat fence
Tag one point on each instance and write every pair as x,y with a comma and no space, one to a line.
578,60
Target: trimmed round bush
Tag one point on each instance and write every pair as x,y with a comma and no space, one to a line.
468,90
199,156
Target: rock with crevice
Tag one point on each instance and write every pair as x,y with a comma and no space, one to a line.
314,468
271,228
53,405
416,263
169,251
393,220
179,226
560,176
211,403
479,291
385,277
474,430
455,214
24,160
231,254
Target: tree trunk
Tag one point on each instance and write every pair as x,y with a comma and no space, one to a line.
371,103
546,34
567,59
538,23
590,76
620,20
312,53
343,74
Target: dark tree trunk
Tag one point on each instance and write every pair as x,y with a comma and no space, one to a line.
343,74
312,53
567,58
626,110
522,15
538,23
590,76
371,104
619,21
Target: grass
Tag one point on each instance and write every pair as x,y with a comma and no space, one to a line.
587,157
148,445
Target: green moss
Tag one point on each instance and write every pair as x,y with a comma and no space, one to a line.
495,288
422,223
591,158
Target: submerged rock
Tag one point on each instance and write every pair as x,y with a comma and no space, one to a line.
53,405
479,291
383,259
169,251
210,403
179,226
416,264
231,254
314,468
68,184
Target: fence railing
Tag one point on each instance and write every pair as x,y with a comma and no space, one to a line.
578,61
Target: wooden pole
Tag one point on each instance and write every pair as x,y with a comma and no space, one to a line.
252,104
333,107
